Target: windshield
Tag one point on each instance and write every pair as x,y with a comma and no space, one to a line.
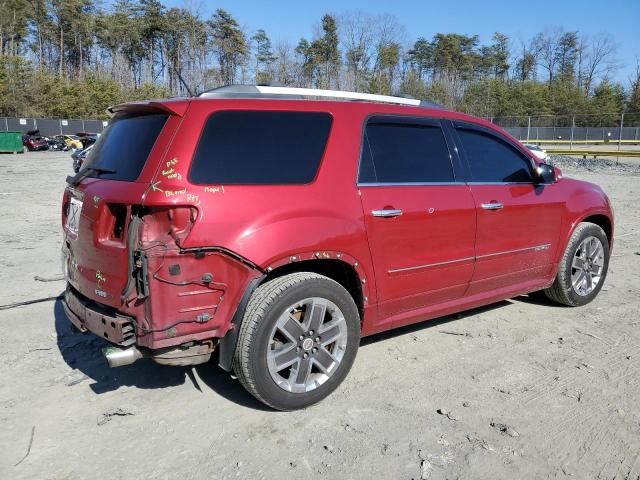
123,148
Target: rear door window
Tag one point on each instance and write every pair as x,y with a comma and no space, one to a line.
260,147
405,153
493,160
125,145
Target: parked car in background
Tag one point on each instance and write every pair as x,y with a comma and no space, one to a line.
87,138
73,142
280,228
56,143
29,134
36,143
538,151
33,141
79,157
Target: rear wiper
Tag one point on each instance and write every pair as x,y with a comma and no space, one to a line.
75,180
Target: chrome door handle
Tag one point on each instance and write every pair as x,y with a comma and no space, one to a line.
386,213
492,206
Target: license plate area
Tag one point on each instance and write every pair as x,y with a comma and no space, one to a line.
73,218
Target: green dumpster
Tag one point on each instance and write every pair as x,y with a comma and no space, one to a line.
11,142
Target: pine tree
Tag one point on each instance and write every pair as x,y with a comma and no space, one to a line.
264,57
229,43
326,54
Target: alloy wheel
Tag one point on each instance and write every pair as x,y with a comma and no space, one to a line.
306,345
587,266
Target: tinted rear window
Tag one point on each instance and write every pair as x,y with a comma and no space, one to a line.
258,147
125,144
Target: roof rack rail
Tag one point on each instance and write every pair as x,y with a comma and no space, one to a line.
268,91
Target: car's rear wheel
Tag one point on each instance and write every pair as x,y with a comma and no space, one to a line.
298,340
583,267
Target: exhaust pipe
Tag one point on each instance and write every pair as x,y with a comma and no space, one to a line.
117,357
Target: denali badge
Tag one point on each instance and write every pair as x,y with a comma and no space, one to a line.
100,278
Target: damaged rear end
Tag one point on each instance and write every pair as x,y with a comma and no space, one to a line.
130,279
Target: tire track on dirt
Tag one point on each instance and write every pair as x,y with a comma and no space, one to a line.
601,448
622,467
562,438
632,468
621,462
572,377
567,374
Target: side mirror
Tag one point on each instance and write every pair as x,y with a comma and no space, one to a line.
547,173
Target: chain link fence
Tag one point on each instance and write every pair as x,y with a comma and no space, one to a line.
574,129
51,126
550,129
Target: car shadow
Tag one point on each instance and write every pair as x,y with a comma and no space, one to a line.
83,352
539,298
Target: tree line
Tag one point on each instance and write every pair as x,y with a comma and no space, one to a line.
73,58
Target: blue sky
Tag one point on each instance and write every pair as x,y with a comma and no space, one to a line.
290,20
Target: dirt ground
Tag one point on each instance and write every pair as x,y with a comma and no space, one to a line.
520,389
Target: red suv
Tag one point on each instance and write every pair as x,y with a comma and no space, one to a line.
279,227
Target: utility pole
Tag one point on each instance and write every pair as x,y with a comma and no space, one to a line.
573,126
620,132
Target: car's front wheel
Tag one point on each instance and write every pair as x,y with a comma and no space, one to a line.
298,340
583,267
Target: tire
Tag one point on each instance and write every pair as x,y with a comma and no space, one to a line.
263,335
563,291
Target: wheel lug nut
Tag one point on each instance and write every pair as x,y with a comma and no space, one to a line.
297,349
315,350
310,333
301,337
306,355
317,339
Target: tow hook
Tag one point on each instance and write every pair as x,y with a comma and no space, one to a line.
118,357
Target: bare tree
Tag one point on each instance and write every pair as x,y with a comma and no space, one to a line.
390,35
633,103
286,70
526,61
597,59
358,40
546,44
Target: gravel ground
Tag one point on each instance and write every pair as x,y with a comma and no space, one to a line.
628,165
519,389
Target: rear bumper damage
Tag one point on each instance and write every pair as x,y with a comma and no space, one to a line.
178,318
137,287
86,315
89,316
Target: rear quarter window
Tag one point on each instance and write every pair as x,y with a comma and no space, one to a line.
260,148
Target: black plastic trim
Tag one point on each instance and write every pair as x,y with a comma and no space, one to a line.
460,166
132,240
228,343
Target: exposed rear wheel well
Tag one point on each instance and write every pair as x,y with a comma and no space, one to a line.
603,222
337,270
